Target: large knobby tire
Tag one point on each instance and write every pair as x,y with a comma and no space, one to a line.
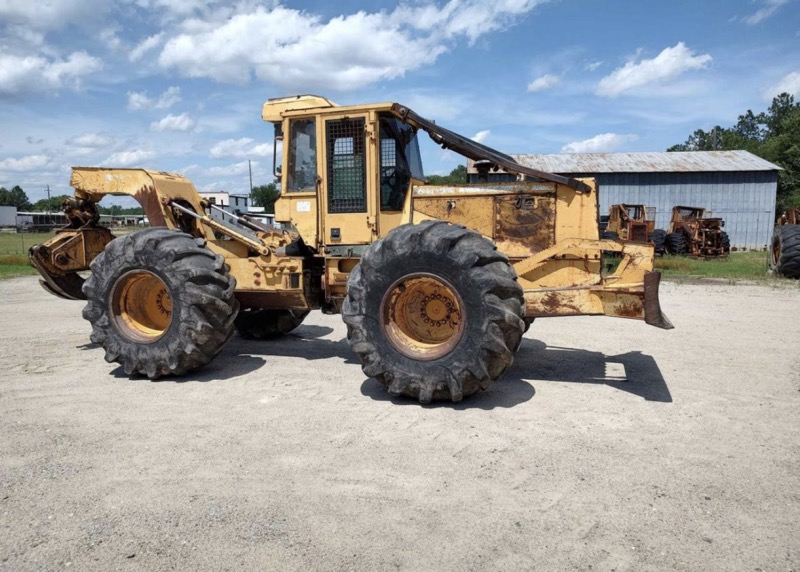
160,302
267,323
725,242
434,312
675,243
658,238
785,251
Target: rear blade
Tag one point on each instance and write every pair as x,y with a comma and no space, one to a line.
652,307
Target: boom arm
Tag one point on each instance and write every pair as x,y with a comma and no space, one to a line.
477,152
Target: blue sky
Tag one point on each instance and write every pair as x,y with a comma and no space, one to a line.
177,85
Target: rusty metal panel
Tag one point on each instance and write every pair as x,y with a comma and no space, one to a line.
524,225
473,212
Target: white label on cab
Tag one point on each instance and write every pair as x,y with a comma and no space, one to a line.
304,206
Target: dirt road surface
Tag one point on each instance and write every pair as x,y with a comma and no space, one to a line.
609,445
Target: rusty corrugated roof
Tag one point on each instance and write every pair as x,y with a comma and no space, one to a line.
678,162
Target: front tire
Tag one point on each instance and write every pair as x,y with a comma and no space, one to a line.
159,302
434,312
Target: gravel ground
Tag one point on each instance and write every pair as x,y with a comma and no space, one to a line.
609,445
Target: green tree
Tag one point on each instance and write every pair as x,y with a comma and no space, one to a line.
780,108
773,135
783,148
457,176
16,197
265,196
51,205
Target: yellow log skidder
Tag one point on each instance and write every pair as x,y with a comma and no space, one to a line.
436,283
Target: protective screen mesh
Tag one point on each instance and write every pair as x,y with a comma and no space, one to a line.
346,165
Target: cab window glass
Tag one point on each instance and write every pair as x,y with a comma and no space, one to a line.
400,161
302,171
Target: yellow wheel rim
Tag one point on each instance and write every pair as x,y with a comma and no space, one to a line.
421,315
141,306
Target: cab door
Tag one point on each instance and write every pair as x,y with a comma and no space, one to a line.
348,197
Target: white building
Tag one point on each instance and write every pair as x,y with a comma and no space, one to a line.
234,204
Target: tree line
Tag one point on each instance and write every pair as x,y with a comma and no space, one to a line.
16,197
773,135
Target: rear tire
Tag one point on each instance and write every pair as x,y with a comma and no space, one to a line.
264,324
785,251
725,242
676,243
160,302
434,312
658,238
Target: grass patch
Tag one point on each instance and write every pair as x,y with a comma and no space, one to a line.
14,252
750,265
15,270
19,242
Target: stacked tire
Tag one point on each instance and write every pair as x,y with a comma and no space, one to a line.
785,251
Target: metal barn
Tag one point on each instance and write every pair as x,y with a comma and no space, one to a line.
736,186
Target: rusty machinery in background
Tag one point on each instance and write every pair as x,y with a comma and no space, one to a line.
436,283
691,233
635,223
784,255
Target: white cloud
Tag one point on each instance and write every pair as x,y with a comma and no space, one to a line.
789,84
110,38
21,37
23,164
175,7
171,122
145,46
666,66
129,158
240,148
28,74
769,8
603,143
544,82
592,66
299,51
51,14
470,18
140,100
481,136
234,169
93,140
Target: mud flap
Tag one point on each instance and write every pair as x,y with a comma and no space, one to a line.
652,307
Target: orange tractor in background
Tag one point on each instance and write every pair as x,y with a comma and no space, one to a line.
635,223
691,233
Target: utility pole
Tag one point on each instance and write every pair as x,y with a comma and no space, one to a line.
48,205
249,168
